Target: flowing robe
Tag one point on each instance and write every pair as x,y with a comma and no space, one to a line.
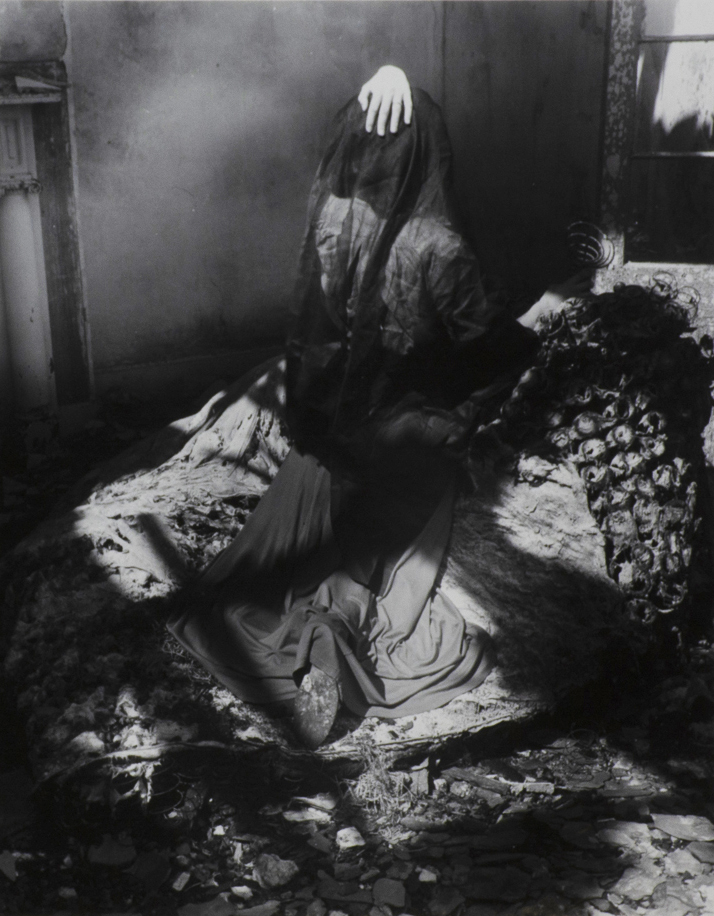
394,352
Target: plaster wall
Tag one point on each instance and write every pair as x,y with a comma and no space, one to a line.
198,130
199,126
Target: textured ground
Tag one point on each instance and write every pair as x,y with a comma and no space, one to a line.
606,806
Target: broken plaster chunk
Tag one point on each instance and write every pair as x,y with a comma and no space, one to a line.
640,882
242,892
181,880
427,876
681,862
349,838
703,851
308,815
272,871
685,826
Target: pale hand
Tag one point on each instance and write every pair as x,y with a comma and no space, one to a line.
384,98
555,298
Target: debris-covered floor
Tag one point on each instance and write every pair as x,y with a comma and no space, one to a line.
606,807
616,817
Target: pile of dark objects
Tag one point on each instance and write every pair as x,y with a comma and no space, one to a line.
603,807
621,388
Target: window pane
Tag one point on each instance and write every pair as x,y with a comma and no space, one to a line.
669,18
672,211
675,97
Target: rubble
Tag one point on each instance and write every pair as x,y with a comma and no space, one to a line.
174,798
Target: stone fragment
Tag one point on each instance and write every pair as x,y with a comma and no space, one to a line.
444,900
626,835
692,892
594,780
347,871
371,874
685,826
461,789
242,892
639,882
469,774
492,799
320,842
181,880
316,907
672,906
419,779
398,870
308,815
67,893
111,852
535,788
389,891
703,851
272,871
323,800
682,862
427,876
348,838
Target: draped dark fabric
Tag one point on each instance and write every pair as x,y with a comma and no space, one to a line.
392,329
393,353
395,347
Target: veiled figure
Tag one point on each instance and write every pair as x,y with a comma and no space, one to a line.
332,586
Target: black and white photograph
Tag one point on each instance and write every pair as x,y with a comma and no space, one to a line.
356,457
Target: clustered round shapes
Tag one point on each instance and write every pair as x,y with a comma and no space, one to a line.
621,389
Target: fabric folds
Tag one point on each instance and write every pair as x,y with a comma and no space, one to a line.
394,353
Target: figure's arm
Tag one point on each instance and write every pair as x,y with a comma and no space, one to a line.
556,296
385,97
